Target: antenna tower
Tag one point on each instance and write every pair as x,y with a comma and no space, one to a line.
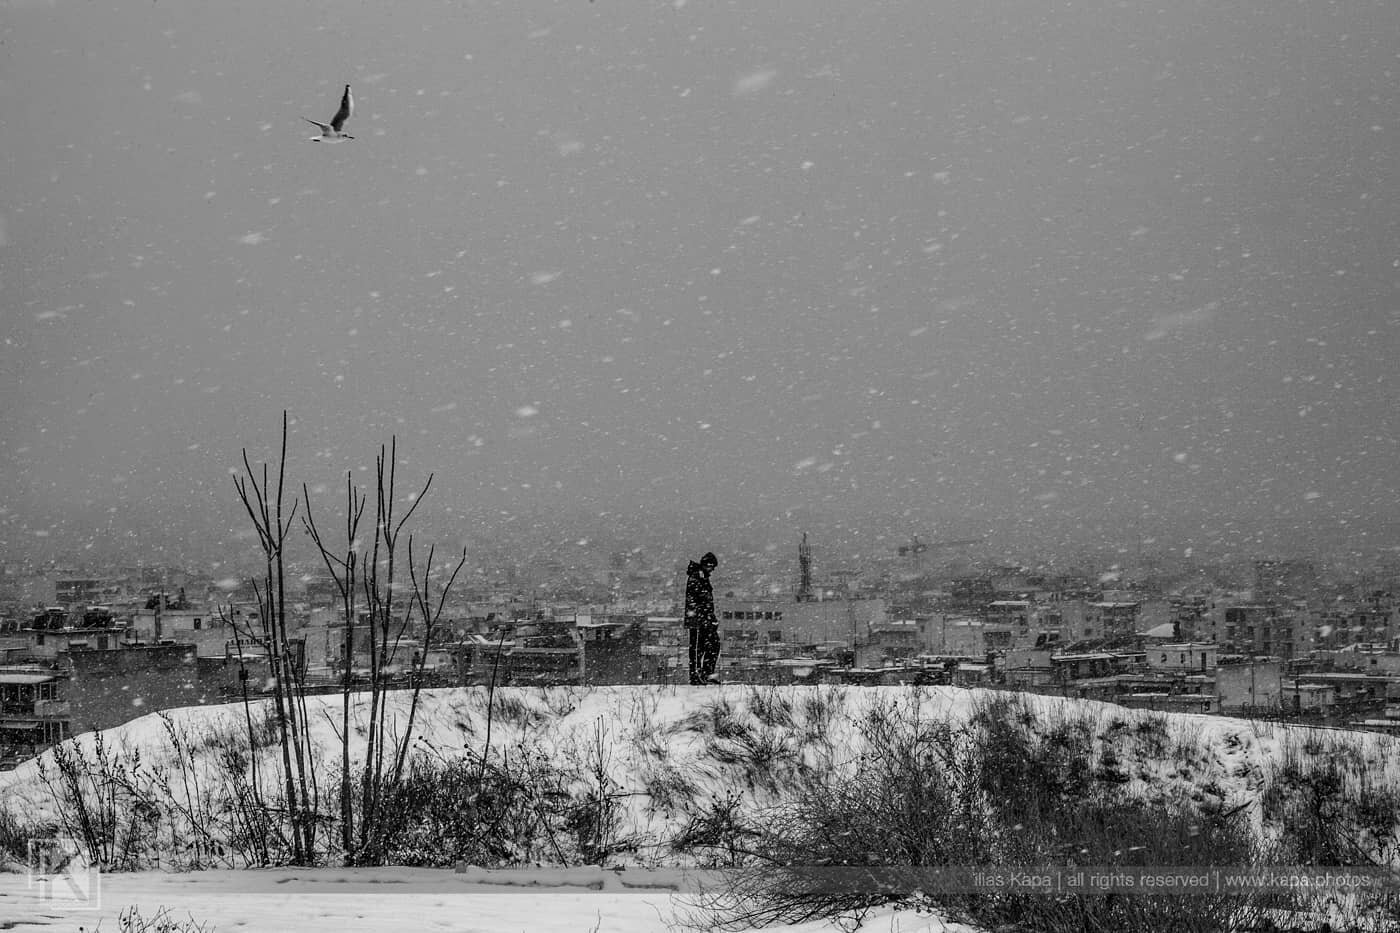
804,564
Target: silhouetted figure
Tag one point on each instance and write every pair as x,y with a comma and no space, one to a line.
700,620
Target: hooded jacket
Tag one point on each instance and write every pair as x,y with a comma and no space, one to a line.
699,596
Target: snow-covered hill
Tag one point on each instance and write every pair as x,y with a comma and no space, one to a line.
666,761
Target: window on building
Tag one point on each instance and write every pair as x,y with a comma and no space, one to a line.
775,635
196,623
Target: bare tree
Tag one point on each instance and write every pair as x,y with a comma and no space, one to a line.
265,504
366,575
344,569
385,634
365,571
432,617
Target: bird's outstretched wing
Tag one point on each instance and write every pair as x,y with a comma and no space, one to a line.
347,106
325,130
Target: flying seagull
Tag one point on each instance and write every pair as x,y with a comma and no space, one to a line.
330,132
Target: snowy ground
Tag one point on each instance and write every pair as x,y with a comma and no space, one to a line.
664,749
386,900
651,733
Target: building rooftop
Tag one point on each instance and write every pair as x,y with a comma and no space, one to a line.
25,677
1345,675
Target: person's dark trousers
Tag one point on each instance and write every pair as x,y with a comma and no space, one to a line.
708,652
695,648
704,652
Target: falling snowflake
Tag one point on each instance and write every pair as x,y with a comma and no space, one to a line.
755,82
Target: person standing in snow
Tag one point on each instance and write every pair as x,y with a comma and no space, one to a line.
700,620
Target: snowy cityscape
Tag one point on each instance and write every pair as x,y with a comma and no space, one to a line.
1280,639
588,466
1237,663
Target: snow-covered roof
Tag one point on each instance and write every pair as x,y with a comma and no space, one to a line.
1344,675
25,677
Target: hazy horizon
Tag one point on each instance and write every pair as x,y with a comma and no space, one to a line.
1103,275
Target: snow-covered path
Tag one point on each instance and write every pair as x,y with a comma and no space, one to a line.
383,900
338,900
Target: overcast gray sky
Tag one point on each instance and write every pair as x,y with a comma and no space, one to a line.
1040,269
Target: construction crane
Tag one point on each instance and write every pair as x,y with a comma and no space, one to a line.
916,549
